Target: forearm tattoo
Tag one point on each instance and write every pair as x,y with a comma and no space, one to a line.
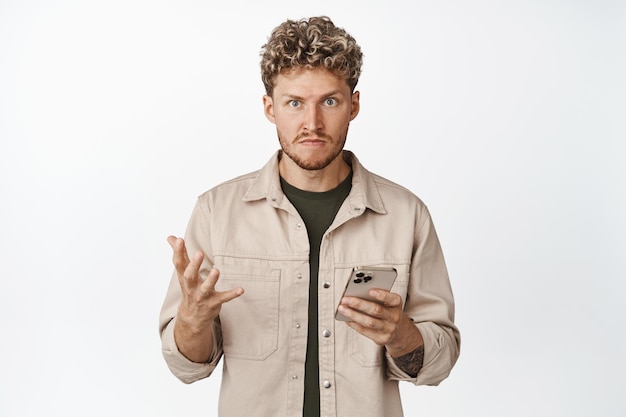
412,362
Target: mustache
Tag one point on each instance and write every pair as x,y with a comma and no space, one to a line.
308,135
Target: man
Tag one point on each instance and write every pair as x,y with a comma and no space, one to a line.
270,254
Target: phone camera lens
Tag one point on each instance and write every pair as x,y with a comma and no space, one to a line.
360,274
358,280
367,278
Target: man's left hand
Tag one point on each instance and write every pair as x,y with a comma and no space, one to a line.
384,322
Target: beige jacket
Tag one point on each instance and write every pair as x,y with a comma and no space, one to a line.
250,231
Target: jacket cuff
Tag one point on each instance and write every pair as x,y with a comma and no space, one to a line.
439,356
184,369
394,372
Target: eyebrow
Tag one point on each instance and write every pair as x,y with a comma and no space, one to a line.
297,97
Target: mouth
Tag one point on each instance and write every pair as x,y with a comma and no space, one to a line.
316,140
312,141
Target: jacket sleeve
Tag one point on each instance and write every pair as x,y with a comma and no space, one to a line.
197,238
430,304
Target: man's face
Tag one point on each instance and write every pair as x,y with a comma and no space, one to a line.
312,110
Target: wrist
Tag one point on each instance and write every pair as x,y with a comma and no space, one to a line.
408,339
193,342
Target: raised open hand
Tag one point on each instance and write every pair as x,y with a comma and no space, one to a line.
200,303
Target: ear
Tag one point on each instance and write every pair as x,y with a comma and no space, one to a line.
268,108
356,105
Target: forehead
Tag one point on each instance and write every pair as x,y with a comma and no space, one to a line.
310,81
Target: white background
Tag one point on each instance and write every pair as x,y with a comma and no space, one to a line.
508,118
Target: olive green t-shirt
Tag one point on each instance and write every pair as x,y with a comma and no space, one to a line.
318,210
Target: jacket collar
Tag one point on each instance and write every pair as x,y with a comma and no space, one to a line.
364,193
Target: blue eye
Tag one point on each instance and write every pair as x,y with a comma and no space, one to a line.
294,103
330,101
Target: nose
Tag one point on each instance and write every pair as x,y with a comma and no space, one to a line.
313,119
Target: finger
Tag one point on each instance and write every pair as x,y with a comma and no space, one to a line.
387,298
378,330
361,305
376,336
192,272
209,283
229,295
362,322
172,241
179,258
208,286
176,243
345,311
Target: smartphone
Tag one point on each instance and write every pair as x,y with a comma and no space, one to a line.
364,279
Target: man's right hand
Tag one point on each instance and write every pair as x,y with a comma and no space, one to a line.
200,303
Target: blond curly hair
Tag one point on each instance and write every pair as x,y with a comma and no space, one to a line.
310,43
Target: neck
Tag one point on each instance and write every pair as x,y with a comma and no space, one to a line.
321,180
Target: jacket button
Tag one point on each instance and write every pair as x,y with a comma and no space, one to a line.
326,333
327,284
326,384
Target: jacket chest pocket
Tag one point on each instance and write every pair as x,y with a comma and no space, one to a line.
249,323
